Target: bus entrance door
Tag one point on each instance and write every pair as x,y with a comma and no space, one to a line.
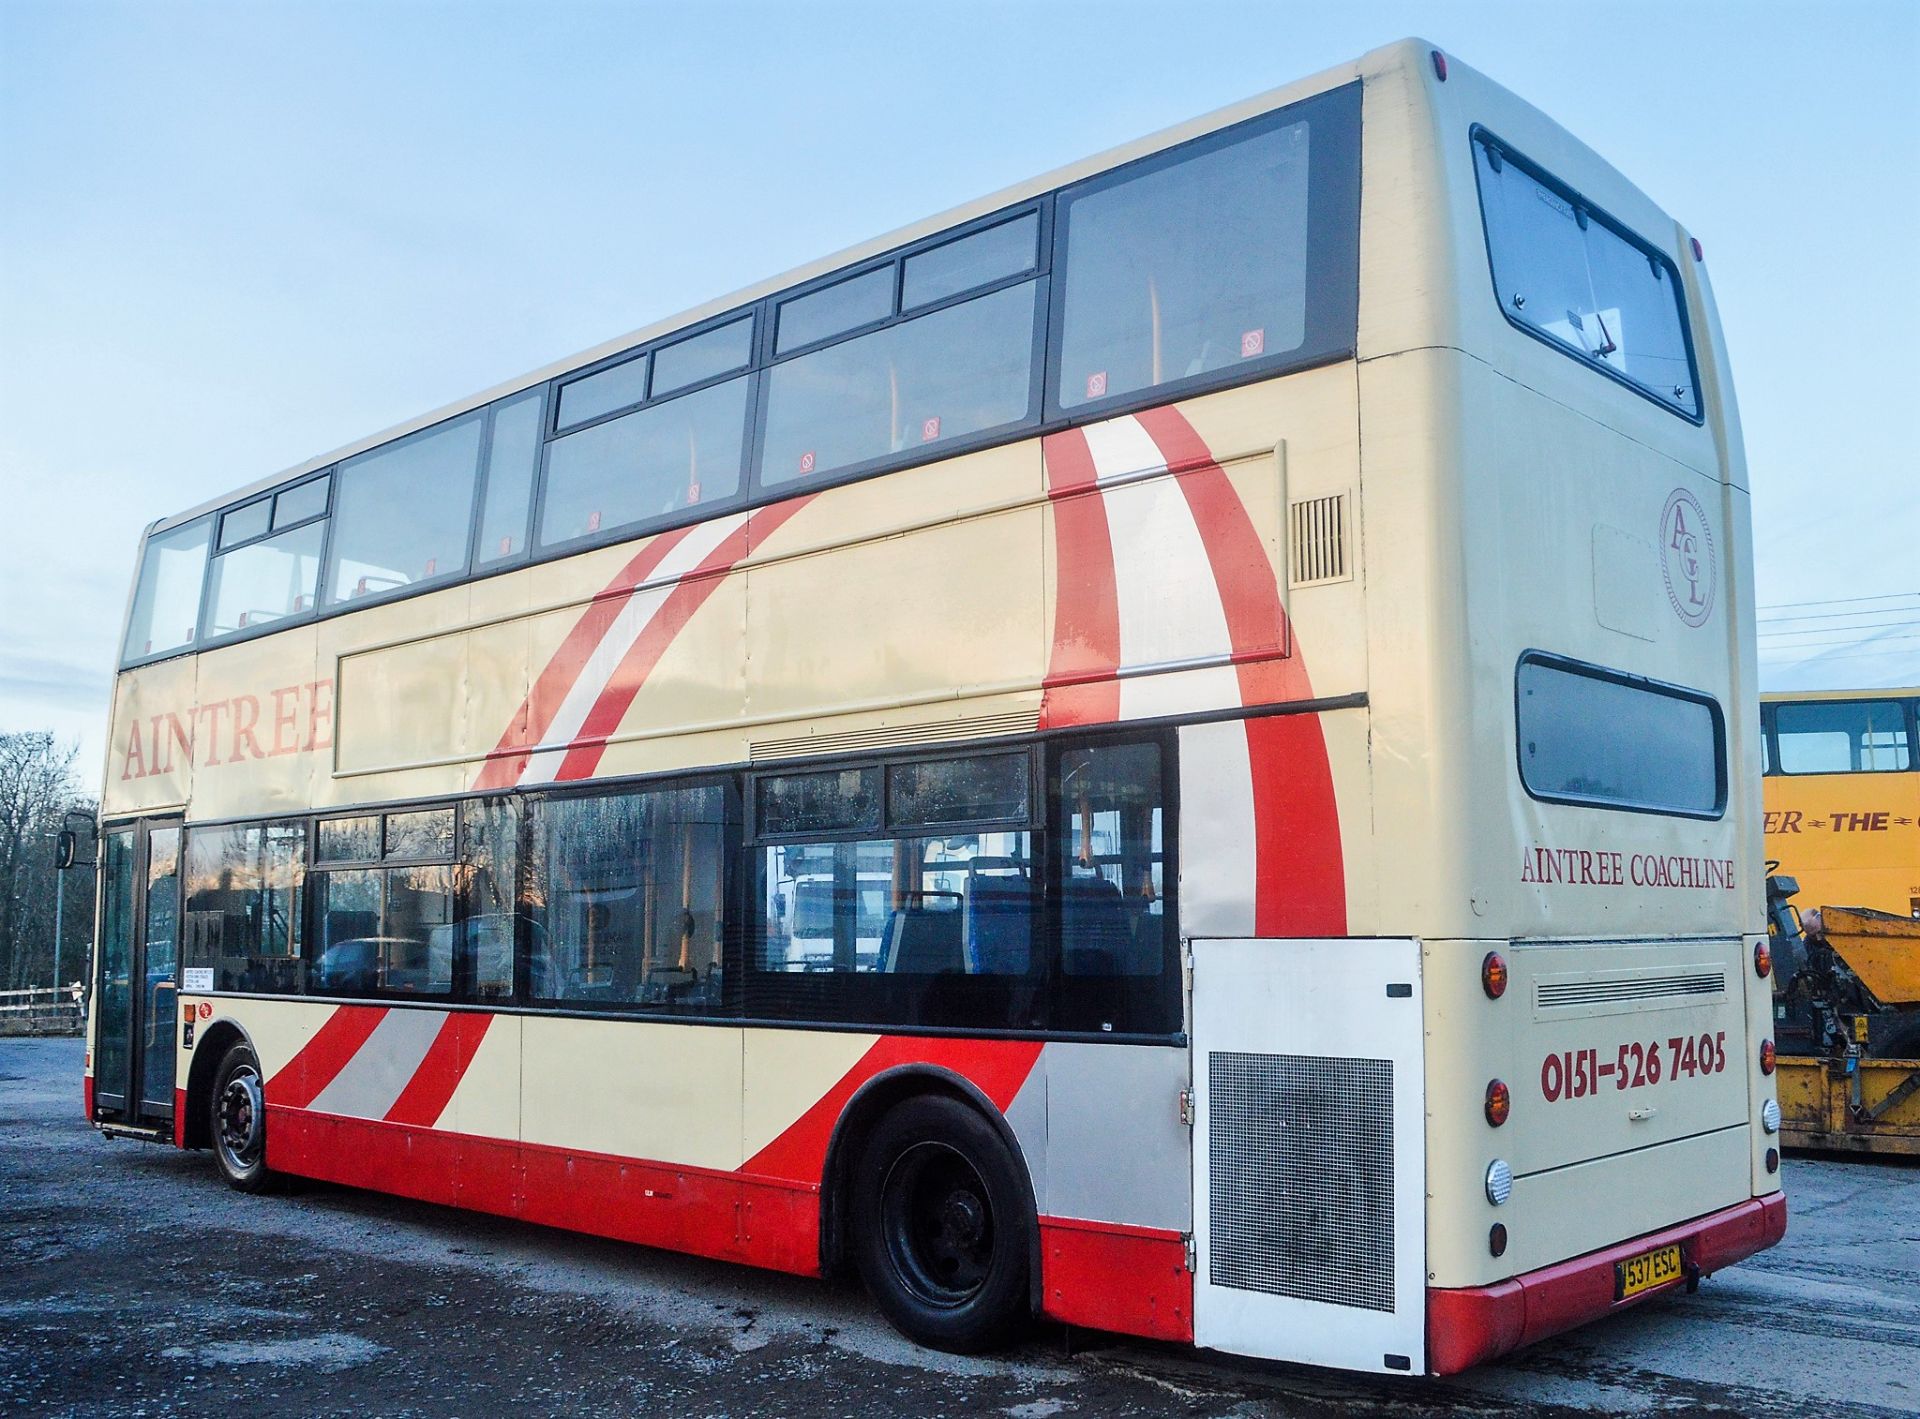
1308,1162
133,1051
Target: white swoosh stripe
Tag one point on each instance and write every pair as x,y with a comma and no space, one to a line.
627,627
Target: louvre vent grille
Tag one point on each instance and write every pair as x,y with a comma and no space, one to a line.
1549,993
853,741
1300,1158
1317,537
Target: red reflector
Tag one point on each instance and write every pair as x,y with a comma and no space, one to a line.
1698,254
1497,1239
1767,1056
1439,66
1762,960
1493,975
1499,1103
1773,1160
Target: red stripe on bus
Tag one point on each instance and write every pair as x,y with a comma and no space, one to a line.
996,1067
1242,570
440,1071
1300,884
536,713
1300,878
667,621
1080,687
322,1058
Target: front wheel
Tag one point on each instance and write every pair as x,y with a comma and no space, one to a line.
238,1122
940,1226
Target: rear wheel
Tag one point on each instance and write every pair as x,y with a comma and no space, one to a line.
940,1226
238,1122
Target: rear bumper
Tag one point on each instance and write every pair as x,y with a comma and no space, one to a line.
1468,1326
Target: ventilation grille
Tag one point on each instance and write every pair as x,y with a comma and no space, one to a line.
1317,540
854,740
1551,993
1300,1159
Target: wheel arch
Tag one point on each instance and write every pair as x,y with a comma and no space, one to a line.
220,1036
872,1101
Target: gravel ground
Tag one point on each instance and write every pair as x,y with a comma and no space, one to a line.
133,1283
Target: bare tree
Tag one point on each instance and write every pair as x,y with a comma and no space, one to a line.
37,792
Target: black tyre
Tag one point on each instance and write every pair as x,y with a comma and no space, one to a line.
237,1122
940,1226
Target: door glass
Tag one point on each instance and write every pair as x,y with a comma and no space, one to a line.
162,953
114,1011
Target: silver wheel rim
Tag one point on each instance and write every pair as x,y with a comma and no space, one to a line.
240,1122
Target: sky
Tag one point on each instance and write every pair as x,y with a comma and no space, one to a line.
234,236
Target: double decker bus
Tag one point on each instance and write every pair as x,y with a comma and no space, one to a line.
1162,750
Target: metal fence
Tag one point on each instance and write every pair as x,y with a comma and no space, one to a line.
44,1010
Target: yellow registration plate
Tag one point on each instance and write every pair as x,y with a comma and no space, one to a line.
1648,1271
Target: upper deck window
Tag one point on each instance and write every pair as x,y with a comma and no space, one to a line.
1600,738
402,513
1570,275
955,372
166,603
1843,737
1229,253
645,465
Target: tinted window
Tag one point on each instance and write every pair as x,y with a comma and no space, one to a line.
297,504
1587,736
646,465
428,833
489,858
1565,273
1193,266
244,888
834,800
852,303
959,371
383,930
402,513
244,523
1834,737
954,905
703,357
264,581
627,893
978,260
166,603
349,839
973,790
1116,945
512,460
603,392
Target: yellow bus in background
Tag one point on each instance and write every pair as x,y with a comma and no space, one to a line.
1842,796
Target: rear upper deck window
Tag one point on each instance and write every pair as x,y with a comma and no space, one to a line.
1843,737
1568,274
1223,257
1603,739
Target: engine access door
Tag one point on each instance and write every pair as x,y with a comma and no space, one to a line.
1309,1152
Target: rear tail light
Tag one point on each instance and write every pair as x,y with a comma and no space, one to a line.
1493,975
1767,1056
1499,1103
1762,959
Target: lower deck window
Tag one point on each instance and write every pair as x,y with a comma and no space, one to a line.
1601,738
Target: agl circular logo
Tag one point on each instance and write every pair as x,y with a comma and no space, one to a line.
1686,557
